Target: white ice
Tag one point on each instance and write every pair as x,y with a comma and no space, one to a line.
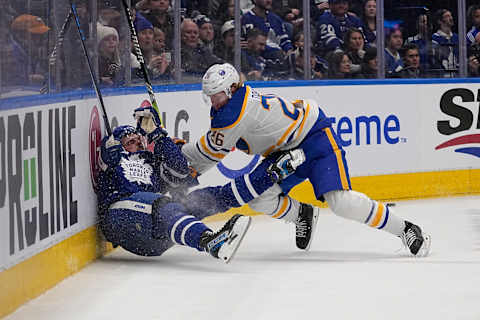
351,272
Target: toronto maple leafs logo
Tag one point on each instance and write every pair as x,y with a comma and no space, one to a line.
136,170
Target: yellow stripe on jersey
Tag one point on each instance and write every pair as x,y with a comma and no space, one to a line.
204,146
378,215
282,209
284,136
300,129
244,105
338,155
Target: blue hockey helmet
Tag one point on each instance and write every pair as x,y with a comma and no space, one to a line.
122,131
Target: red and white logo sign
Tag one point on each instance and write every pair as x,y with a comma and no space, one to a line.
95,138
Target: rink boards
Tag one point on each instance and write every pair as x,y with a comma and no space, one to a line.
410,141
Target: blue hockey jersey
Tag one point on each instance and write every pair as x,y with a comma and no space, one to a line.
445,49
160,171
272,25
330,31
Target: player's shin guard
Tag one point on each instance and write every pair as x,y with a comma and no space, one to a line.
356,206
224,243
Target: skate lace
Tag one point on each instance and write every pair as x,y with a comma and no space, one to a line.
301,228
410,237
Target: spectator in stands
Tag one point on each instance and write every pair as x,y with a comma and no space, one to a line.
261,17
422,39
23,62
290,11
157,65
369,19
445,44
339,65
206,33
317,8
411,60
159,45
74,71
474,61
253,63
109,65
196,59
109,15
332,25
354,48
473,20
224,12
369,64
225,47
319,66
159,15
393,43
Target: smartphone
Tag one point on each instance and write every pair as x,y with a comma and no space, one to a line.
168,56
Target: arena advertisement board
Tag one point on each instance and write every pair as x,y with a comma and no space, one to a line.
48,153
45,190
385,129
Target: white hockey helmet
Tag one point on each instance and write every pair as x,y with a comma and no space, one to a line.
218,78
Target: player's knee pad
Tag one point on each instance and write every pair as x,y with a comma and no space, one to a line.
349,204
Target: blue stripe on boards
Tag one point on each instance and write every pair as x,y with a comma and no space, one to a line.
39,99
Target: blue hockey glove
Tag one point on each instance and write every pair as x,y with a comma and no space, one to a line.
286,164
110,152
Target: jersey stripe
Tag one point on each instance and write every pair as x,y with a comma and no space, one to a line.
282,139
244,105
203,153
386,218
282,209
203,144
177,223
378,215
338,155
243,190
185,229
207,138
236,193
250,186
300,129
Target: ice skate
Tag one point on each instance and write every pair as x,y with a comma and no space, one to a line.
415,240
224,243
305,225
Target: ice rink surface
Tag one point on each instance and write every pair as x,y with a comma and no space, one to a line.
350,272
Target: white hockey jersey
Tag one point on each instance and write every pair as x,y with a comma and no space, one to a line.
254,124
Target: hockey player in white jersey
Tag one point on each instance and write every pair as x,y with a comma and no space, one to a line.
263,124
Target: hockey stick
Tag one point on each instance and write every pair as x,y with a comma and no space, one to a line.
53,55
141,60
92,75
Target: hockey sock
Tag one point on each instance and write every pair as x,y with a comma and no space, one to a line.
186,230
357,206
287,209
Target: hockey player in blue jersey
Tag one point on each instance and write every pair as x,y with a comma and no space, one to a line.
263,124
136,214
332,25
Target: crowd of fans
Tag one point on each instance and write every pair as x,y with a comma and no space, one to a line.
342,44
